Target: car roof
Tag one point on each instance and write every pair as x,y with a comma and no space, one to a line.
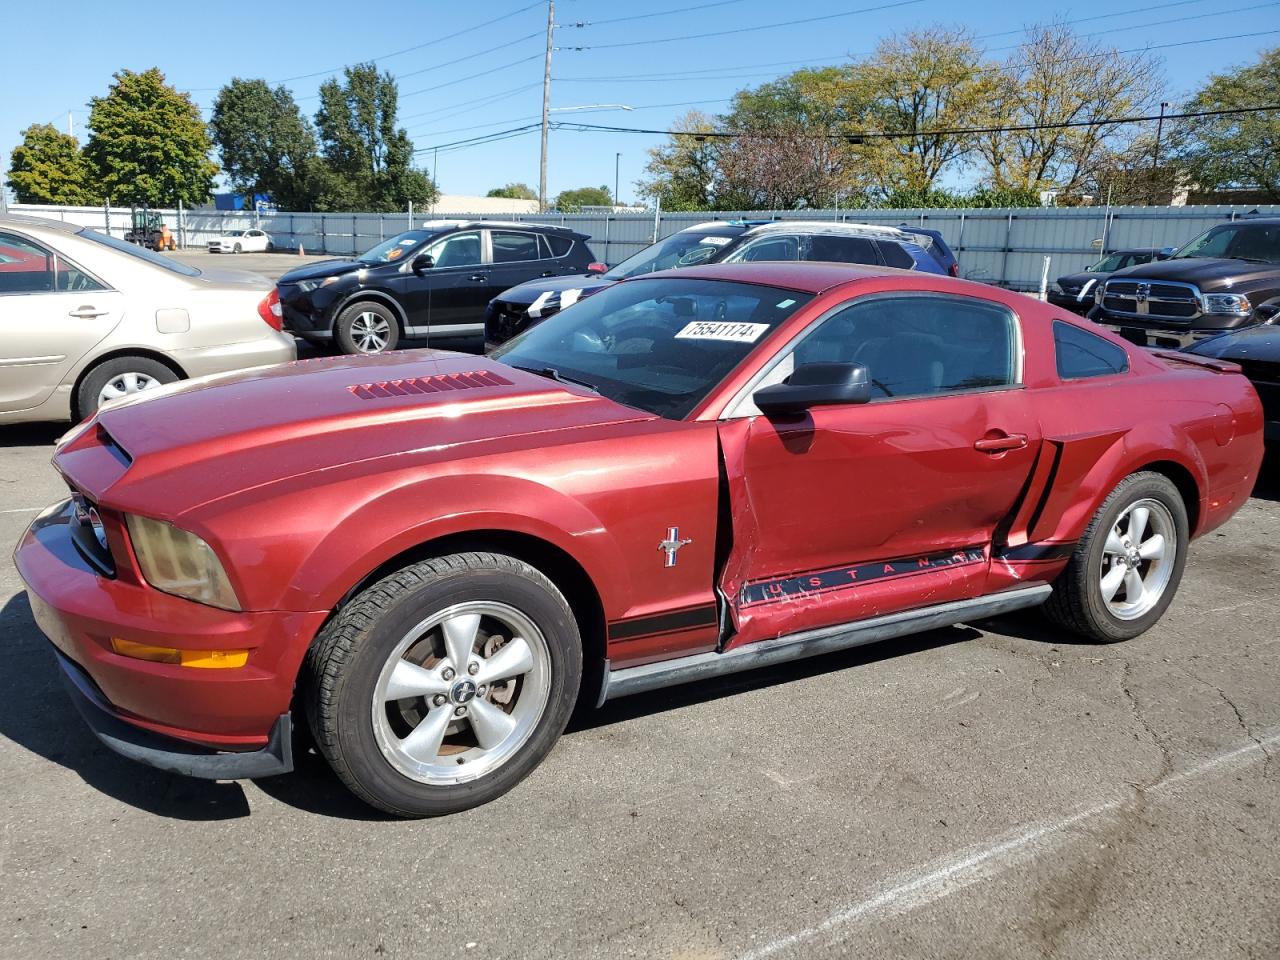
504,224
803,276
18,221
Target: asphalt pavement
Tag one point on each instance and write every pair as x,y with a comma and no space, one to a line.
995,790
271,265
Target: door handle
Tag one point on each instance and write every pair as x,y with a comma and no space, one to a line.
547,273
1012,441
85,312
478,277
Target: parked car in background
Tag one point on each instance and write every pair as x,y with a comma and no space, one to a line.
686,475
432,283
725,241
940,249
1224,279
1074,291
86,318
1257,350
242,241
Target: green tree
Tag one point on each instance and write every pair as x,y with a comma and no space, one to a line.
681,173
1237,150
47,167
148,144
264,142
1054,77
514,191
569,201
368,158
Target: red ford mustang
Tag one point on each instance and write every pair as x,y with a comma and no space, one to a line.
434,555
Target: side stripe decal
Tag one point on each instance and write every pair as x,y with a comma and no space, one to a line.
823,581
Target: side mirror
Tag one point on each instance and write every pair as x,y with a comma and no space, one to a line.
815,385
421,262
597,268
1166,252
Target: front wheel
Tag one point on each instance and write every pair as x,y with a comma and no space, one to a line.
236,248
117,378
443,685
366,327
1126,568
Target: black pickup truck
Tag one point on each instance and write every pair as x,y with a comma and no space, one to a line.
1224,279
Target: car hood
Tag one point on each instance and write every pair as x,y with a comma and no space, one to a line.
1080,279
235,278
323,268
1206,273
193,442
526,293
1259,343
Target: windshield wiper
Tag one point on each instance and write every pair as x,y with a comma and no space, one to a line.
551,373
1250,259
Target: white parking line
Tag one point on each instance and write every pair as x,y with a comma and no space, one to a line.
23,510
960,869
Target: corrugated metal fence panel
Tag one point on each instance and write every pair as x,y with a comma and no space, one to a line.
995,246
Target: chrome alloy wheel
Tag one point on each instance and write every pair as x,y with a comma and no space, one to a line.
125,384
1138,559
370,332
461,693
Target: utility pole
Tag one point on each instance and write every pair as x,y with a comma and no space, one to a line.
617,163
71,129
1155,154
546,108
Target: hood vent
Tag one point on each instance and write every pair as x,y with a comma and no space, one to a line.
443,383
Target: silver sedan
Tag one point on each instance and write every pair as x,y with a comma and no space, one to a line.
86,318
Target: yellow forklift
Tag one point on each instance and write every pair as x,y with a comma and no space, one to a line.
150,230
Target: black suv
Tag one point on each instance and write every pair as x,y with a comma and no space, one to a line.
1224,279
431,283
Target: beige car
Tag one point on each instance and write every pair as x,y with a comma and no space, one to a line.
86,318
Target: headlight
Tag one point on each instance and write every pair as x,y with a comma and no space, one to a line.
306,286
180,563
1226,303
1056,287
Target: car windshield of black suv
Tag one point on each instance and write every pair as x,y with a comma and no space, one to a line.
1255,242
677,250
661,344
398,247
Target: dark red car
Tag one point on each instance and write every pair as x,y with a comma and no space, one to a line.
434,555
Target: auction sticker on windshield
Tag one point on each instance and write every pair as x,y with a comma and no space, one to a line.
720,330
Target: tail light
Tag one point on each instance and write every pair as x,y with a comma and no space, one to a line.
269,310
954,269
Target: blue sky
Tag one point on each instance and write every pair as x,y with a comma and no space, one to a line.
55,61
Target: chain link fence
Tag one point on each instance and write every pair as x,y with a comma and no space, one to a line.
1006,247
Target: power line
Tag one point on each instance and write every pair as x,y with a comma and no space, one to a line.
1100,16
643,106
470,56
659,13
463,106
471,76
762,26
896,134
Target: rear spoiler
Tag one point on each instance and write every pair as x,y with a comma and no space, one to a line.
1195,360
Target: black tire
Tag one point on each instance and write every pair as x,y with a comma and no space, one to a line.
344,663
350,342
236,248
1077,602
93,382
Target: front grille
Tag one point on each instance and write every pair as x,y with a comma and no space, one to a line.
86,539
1152,299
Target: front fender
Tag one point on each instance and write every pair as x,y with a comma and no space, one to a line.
372,532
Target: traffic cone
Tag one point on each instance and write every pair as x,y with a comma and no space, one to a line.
301,252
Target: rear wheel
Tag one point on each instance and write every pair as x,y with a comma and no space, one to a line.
120,377
1125,570
366,327
443,685
236,248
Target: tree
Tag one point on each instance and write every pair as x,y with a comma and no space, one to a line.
368,158
923,84
1238,150
148,144
514,191
1054,77
264,142
570,201
682,172
47,167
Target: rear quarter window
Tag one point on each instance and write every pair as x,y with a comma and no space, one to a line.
1081,354
559,245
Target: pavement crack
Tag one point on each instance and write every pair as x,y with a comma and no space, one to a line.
1139,714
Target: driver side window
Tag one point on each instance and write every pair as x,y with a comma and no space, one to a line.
912,346
456,250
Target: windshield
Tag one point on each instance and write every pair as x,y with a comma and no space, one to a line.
1108,264
235,233
389,251
140,253
1257,242
661,344
678,250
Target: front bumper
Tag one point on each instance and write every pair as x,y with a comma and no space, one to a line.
503,320
167,753
1069,302
80,610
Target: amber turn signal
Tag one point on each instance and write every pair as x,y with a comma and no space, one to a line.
203,659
